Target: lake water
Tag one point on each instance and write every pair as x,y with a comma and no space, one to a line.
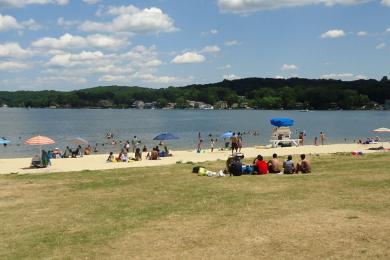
60,124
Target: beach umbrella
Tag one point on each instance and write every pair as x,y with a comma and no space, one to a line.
166,136
79,141
39,140
382,130
227,135
4,141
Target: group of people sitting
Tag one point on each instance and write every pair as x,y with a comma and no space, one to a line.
157,153
154,154
261,167
70,153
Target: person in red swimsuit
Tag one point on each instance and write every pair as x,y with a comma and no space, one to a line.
260,166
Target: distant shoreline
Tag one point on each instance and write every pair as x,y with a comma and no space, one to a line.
187,109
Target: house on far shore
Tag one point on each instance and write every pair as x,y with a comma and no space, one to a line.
150,105
221,105
138,104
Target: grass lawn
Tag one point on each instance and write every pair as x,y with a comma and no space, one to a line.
342,210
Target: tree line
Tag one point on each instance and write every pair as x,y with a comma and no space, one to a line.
259,93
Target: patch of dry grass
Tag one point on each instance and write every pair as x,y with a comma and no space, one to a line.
339,211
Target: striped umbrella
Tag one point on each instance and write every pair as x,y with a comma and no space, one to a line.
39,140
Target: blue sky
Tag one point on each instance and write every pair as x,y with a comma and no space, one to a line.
69,44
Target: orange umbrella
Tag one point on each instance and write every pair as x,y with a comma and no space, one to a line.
39,140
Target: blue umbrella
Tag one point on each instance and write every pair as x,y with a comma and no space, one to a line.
227,135
4,141
165,136
282,122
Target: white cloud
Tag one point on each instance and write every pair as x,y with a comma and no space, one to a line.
8,23
67,23
91,2
139,64
232,43
211,49
361,77
131,19
226,67
31,24
333,34
148,78
13,50
289,67
388,29
23,3
362,33
69,41
343,76
211,32
248,6
230,77
70,60
385,2
189,57
380,46
13,66
78,80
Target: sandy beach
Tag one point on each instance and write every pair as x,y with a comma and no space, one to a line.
98,162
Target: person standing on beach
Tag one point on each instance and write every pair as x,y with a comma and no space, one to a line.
322,137
239,141
199,146
212,142
134,143
315,140
127,146
234,142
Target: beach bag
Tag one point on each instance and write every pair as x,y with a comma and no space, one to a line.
235,169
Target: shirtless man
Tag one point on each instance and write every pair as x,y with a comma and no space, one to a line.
274,164
304,166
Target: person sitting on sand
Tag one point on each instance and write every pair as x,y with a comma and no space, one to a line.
111,157
304,166
124,157
288,166
87,150
166,152
144,149
67,153
274,164
260,166
154,154
138,154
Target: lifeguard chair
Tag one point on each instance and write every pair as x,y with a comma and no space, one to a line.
281,133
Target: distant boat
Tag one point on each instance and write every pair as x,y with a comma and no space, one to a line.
304,110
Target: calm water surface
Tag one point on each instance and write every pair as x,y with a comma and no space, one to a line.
92,125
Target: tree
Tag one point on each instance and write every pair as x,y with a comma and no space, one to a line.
181,102
162,102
